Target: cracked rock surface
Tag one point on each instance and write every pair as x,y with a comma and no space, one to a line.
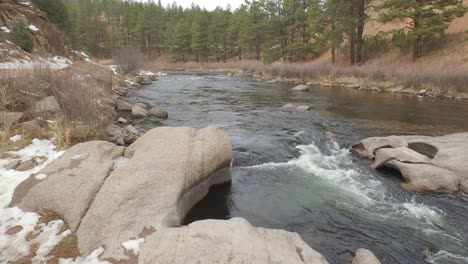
427,164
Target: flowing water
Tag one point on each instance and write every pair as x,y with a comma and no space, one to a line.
287,175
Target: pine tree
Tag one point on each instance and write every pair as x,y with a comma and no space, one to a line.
426,19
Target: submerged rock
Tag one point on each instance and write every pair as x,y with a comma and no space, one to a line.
428,164
159,113
365,256
301,87
293,107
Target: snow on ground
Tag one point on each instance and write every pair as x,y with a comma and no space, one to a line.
93,258
18,227
16,138
20,232
133,245
33,28
5,29
56,63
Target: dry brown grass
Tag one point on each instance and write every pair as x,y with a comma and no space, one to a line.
441,78
82,118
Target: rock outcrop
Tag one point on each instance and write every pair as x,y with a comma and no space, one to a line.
428,164
109,195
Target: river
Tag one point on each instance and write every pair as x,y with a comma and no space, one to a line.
287,175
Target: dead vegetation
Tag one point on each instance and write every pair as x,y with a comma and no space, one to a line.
443,78
81,116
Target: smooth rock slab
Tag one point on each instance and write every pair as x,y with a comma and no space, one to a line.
169,170
426,178
227,241
429,164
72,181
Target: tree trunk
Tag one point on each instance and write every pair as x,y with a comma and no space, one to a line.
360,29
333,53
417,46
352,49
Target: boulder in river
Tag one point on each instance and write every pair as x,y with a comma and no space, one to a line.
144,79
165,173
159,113
301,87
123,105
427,164
365,256
139,112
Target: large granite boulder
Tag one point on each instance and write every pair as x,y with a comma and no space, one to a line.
71,183
365,256
232,241
47,105
131,202
10,118
428,164
168,172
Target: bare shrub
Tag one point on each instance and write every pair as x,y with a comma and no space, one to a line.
129,59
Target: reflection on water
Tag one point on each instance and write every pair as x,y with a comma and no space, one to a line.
287,175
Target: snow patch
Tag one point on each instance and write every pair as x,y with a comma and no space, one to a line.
120,162
133,245
80,156
33,28
5,29
16,138
19,230
41,176
93,258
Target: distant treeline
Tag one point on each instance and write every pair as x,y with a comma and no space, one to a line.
266,30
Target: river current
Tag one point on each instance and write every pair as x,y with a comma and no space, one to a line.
287,175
